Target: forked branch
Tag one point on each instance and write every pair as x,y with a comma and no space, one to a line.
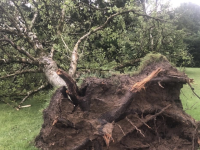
18,48
74,57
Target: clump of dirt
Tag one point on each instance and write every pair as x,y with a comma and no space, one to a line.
141,112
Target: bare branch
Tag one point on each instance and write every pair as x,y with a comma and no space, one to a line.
11,30
65,44
112,16
18,60
32,92
21,72
33,20
52,51
21,30
60,25
22,15
11,19
18,48
188,82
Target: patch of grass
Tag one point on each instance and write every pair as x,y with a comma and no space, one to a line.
191,103
151,58
147,60
18,129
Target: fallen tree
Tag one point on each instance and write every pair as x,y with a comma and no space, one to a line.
143,112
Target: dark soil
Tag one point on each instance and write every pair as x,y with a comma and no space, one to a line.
111,115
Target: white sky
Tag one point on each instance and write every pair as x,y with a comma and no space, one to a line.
176,3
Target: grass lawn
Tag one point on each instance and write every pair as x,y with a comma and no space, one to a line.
19,128
190,102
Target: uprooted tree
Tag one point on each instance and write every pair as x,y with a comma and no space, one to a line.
143,112
38,36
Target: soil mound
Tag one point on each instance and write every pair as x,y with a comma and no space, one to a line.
141,112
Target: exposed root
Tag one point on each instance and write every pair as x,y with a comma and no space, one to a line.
160,85
55,121
144,123
135,126
148,119
120,128
193,89
107,138
145,119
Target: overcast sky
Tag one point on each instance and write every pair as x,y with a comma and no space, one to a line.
176,3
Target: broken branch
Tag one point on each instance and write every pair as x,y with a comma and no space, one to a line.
32,92
73,90
141,85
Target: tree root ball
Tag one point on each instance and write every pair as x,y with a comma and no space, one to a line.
122,112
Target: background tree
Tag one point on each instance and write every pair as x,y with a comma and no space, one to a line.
189,21
38,36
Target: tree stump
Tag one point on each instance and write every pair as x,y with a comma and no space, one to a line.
121,112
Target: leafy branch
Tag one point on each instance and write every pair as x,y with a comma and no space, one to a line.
18,60
18,48
21,72
74,57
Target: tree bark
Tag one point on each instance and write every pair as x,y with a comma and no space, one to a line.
49,69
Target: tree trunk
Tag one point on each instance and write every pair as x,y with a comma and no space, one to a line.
50,68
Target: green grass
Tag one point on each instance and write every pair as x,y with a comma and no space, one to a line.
191,103
19,128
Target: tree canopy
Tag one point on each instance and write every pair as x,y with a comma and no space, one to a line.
39,36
